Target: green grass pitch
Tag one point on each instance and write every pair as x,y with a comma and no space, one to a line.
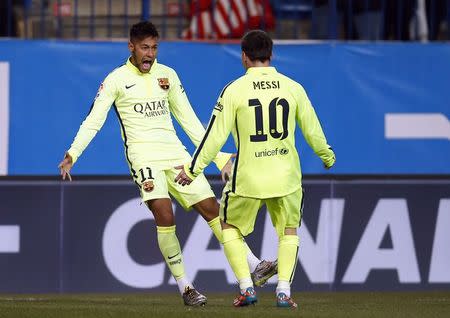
316,304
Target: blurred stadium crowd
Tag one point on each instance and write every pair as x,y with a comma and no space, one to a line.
372,20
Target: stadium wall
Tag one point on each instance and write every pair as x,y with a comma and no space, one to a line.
95,236
384,106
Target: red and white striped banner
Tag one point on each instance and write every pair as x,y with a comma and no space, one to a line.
218,19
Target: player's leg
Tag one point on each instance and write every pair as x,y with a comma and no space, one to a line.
286,213
154,192
197,195
287,258
235,251
200,196
171,249
261,271
238,218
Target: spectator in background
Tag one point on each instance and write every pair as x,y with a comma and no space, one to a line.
8,21
362,20
436,11
398,15
418,27
367,19
321,19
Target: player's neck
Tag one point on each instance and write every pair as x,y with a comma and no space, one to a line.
258,63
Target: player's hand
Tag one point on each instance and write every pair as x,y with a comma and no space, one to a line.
182,178
65,166
330,163
226,170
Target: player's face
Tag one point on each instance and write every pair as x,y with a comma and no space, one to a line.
143,53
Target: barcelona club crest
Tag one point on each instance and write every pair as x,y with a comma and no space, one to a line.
164,83
148,185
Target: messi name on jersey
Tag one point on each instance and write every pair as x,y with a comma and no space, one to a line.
266,85
152,109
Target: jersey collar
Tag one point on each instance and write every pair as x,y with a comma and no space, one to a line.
261,70
135,70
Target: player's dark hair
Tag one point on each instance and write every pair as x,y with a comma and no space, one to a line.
257,45
142,30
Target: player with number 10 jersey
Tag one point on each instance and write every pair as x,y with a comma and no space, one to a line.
261,109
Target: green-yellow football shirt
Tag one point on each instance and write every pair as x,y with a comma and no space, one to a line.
261,110
144,103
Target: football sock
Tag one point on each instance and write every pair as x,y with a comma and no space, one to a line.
283,287
183,283
252,260
287,257
171,251
245,283
215,226
235,252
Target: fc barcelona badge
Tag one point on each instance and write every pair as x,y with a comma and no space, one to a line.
148,185
164,83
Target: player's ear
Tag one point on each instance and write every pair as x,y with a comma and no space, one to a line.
130,46
244,59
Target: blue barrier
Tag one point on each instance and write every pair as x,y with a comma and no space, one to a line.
384,107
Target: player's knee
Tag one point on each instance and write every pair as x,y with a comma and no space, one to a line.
208,208
162,212
290,231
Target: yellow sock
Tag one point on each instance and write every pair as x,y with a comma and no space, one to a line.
171,250
215,226
236,253
287,257
252,260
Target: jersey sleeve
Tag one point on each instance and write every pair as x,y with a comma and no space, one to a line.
94,121
312,131
219,128
184,114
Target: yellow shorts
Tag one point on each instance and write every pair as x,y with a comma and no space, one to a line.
162,175
241,212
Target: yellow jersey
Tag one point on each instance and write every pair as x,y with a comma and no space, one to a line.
261,109
144,103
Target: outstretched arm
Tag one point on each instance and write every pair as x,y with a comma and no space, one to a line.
188,120
90,126
219,128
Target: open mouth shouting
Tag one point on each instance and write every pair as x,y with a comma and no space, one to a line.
146,65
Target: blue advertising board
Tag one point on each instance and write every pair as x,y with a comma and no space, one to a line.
385,107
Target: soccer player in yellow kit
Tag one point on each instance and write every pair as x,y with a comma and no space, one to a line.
261,109
145,94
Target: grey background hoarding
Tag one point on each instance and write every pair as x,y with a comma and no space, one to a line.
95,236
